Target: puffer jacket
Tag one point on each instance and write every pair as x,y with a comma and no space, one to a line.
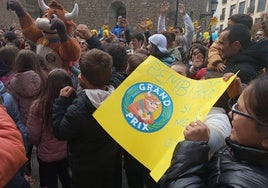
92,151
12,150
49,148
214,56
25,87
232,166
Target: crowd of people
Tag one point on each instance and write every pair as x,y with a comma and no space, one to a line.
50,107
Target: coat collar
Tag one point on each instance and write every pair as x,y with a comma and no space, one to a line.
253,156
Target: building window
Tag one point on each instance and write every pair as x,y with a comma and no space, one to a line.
224,1
251,6
232,10
242,6
261,5
222,16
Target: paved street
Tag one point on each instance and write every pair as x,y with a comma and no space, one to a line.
36,177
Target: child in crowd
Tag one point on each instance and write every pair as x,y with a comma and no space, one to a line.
197,61
25,86
134,61
92,151
7,60
51,153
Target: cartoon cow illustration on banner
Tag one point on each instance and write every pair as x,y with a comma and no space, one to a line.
144,108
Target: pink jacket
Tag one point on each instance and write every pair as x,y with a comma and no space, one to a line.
49,148
24,87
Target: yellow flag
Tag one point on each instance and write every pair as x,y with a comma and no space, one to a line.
149,111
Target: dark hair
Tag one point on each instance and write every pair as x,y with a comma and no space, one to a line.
134,61
157,53
138,36
27,60
169,36
10,36
118,54
239,32
8,55
256,101
201,48
96,67
56,80
32,45
242,19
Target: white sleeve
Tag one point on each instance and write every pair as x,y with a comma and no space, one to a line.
189,31
161,25
220,128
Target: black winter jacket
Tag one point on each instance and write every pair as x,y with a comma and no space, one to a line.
92,151
232,166
249,62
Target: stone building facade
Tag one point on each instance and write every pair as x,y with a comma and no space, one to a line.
95,13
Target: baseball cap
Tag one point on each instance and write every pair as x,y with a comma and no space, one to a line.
160,41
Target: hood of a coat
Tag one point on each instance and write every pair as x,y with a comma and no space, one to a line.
26,84
97,96
168,60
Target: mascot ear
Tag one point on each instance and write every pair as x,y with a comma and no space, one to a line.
73,14
42,5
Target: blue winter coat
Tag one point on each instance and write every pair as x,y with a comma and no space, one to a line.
13,111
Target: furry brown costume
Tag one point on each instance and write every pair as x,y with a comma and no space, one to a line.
51,33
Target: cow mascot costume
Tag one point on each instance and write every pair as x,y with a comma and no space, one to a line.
51,33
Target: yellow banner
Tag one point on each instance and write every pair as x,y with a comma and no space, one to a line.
149,111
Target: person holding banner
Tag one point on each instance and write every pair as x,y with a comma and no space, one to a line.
243,162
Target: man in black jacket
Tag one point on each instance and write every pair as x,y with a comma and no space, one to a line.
241,54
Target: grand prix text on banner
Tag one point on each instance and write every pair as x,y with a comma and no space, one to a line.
148,112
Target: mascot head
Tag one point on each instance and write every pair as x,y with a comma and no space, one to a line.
55,10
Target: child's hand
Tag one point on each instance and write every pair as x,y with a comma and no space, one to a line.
221,67
197,131
67,91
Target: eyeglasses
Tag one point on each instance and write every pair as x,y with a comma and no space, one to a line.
82,43
235,110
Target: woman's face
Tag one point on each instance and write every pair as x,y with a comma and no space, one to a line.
149,48
197,58
83,45
27,46
244,129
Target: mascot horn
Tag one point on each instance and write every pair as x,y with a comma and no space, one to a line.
52,33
